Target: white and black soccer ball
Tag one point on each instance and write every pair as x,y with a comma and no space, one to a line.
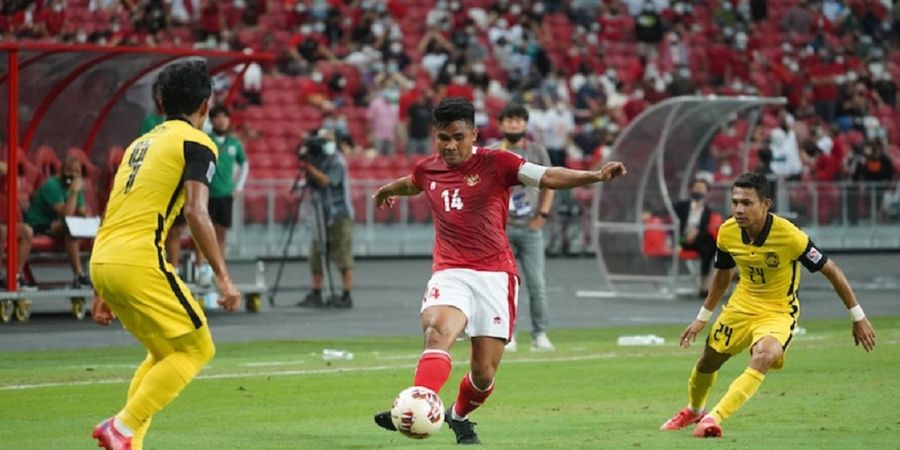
418,412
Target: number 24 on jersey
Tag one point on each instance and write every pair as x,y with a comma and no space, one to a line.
451,200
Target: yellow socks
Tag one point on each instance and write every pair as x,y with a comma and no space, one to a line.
698,388
738,393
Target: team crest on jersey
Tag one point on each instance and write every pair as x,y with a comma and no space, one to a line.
433,185
772,259
472,180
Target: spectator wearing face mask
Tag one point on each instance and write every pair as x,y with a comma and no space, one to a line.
693,221
383,117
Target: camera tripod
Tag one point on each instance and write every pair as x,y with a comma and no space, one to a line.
314,200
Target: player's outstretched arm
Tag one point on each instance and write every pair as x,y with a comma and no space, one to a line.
863,333
562,178
720,280
197,217
401,186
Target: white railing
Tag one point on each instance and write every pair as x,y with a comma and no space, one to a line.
839,215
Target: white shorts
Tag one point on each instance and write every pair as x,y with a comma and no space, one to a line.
488,299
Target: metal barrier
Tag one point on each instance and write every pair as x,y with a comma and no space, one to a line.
839,215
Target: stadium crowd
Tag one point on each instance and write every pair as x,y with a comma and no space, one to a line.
370,71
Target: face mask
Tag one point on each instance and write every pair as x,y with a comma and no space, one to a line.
513,137
329,148
697,196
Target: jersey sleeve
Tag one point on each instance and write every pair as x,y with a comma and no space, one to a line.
417,174
199,162
723,259
508,164
812,258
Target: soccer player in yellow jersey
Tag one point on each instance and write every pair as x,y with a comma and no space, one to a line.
167,168
762,312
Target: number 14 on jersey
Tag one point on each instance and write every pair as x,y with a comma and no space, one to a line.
451,200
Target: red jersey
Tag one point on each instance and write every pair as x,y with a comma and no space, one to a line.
470,204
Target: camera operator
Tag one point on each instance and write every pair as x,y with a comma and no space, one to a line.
326,174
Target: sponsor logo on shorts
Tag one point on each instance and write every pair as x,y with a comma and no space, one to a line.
497,320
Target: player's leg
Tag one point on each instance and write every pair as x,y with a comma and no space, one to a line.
441,325
446,308
137,441
771,337
729,335
493,317
185,356
703,377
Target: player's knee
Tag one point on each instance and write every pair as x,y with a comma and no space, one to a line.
482,375
437,337
765,356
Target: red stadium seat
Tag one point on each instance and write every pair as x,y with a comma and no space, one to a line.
48,164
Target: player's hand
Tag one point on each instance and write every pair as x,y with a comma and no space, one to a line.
612,170
229,296
77,184
384,198
690,333
100,311
864,334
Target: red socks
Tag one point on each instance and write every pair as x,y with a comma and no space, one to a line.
433,370
470,397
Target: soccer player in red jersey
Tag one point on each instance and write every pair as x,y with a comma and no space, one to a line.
474,285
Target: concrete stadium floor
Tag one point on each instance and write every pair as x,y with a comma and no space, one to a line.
388,294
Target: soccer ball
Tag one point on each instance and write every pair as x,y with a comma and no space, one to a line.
418,412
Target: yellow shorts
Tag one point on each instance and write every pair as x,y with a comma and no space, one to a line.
148,300
734,331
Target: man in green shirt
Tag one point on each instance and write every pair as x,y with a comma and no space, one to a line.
58,197
157,117
231,174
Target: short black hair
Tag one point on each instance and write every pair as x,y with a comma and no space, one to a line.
219,109
755,181
451,109
514,111
184,86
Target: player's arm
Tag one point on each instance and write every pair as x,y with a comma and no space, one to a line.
863,333
718,286
563,178
198,172
401,186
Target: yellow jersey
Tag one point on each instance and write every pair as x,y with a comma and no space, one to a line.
768,265
148,193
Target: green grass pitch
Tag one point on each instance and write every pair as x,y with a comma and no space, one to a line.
590,393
